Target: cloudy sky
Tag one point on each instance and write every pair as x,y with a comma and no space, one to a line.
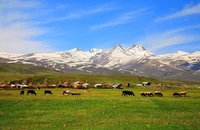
28,26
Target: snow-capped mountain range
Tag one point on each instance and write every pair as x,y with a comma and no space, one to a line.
135,60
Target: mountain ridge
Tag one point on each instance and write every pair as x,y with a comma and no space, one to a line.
134,60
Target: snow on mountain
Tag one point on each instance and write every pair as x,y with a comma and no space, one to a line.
108,58
179,55
73,55
130,60
139,51
195,56
119,55
180,60
77,55
94,51
69,58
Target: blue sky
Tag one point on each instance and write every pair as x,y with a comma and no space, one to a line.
28,26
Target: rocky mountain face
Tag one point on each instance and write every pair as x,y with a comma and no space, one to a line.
135,60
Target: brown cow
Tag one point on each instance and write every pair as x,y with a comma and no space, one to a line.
66,92
70,93
183,93
149,94
158,93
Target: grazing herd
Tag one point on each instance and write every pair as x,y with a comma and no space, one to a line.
48,92
144,94
151,94
124,93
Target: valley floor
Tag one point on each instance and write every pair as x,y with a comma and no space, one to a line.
100,109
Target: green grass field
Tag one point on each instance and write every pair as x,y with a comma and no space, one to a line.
99,109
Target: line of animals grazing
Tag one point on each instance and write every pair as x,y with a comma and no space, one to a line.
124,93
48,92
151,94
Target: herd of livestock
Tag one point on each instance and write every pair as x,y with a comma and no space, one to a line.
124,93
151,94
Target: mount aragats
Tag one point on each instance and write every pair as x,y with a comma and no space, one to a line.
135,60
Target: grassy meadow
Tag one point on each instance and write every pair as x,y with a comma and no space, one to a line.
95,109
100,109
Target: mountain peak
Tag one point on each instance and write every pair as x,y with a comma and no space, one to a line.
95,50
138,50
118,46
181,52
118,49
76,49
139,47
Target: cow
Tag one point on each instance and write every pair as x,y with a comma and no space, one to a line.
150,94
22,92
130,93
72,93
66,92
47,92
157,93
31,92
98,85
183,93
145,94
176,94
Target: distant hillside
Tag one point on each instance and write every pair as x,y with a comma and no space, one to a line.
6,68
24,73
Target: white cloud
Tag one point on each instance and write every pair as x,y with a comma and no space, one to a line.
82,13
21,20
119,20
18,4
189,10
17,32
171,37
16,38
161,42
23,46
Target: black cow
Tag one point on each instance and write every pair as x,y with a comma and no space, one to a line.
47,92
72,93
31,92
22,92
124,93
176,94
